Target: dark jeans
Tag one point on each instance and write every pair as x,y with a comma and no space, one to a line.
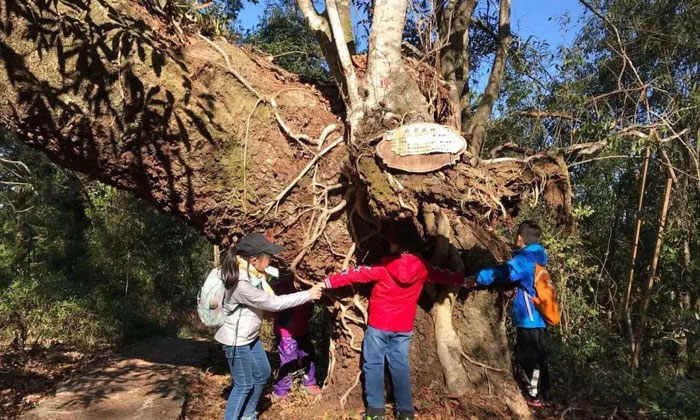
392,346
295,353
531,354
250,370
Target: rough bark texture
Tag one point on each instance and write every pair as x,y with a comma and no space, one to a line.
454,57
219,136
477,129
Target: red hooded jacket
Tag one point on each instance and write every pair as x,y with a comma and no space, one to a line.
400,279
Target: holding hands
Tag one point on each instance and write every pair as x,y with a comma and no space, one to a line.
316,291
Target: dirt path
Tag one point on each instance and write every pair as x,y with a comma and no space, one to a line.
173,378
147,382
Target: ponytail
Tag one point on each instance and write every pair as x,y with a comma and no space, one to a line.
229,267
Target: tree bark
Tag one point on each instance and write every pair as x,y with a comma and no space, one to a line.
635,246
652,270
477,129
454,57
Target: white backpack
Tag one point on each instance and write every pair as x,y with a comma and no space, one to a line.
210,300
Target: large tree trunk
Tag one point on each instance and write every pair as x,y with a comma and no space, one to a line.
219,136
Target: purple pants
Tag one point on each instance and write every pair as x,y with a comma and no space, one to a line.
296,353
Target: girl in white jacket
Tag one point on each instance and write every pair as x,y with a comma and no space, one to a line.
243,273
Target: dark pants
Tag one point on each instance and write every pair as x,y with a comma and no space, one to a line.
531,355
295,353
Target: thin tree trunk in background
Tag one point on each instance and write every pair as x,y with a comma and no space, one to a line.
217,252
477,129
635,247
686,226
454,57
652,270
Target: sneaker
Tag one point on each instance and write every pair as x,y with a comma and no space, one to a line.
405,415
534,402
374,414
313,389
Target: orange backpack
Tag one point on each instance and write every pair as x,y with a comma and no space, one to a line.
546,297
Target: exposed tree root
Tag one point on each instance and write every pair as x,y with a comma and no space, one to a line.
344,397
485,366
303,172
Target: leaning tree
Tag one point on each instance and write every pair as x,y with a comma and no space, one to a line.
218,135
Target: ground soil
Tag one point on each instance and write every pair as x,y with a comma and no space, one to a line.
30,376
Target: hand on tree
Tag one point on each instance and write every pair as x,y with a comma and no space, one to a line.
470,282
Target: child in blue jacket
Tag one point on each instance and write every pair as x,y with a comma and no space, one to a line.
530,347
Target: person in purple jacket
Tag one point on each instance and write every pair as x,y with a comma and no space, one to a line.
294,344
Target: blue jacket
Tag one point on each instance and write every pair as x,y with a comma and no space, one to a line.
520,270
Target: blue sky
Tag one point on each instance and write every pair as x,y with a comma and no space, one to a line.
539,18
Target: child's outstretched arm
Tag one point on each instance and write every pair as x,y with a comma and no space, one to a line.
508,272
443,276
361,274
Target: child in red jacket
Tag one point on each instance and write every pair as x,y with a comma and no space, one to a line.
399,280
294,344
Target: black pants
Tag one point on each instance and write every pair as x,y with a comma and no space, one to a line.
531,355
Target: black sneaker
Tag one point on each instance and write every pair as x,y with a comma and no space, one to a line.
404,415
374,414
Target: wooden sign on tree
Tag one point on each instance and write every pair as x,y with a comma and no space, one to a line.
421,147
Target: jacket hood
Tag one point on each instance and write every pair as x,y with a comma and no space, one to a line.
534,253
405,269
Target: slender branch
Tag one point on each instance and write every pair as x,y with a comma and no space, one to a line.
652,270
635,246
583,162
612,26
485,28
536,113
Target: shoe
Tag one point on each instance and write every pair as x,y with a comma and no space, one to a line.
405,415
313,389
374,414
534,402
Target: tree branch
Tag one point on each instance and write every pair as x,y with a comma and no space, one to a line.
343,7
341,46
321,28
536,113
477,129
316,22
454,57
